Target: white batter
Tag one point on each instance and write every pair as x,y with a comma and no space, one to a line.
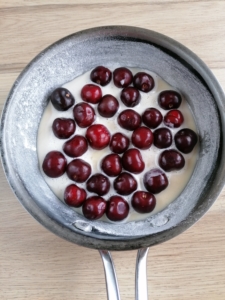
47,142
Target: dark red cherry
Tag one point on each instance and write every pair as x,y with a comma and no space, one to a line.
117,209
94,207
155,181
74,195
144,82
129,119
84,115
142,138
130,96
185,140
143,202
54,164
98,184
78,170
173,118
162,138
111,165
108,106
91,93
171,160
63,128
132,161
75,147
98,136
152,117
122,77
169,99
101,75
125,184
119,143
62,99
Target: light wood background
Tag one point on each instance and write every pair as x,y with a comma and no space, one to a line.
35,264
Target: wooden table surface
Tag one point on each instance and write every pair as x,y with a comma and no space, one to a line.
34,263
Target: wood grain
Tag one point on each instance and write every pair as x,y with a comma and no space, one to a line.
37,265
23,3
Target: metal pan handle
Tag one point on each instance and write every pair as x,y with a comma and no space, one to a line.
141,285
110,276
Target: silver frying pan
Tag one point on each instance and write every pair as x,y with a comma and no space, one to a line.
72,56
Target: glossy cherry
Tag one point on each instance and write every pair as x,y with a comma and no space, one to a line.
122,77
143,202
142,138
185,140
155,181
169,99
54,164
78,170
129,119
173,118
84,115
117,209
162,138
152,117
94,207
101,75
63,128
62,99
171,160
108,106
125,184
111,165
98,136
119,143
132,161
144,82
98,184
91,93
74,195
130,96
75,147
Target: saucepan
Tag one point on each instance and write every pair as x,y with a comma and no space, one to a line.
72,56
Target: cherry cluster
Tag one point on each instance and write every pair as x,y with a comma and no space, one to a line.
123,161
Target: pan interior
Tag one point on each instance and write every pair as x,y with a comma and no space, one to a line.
61,63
